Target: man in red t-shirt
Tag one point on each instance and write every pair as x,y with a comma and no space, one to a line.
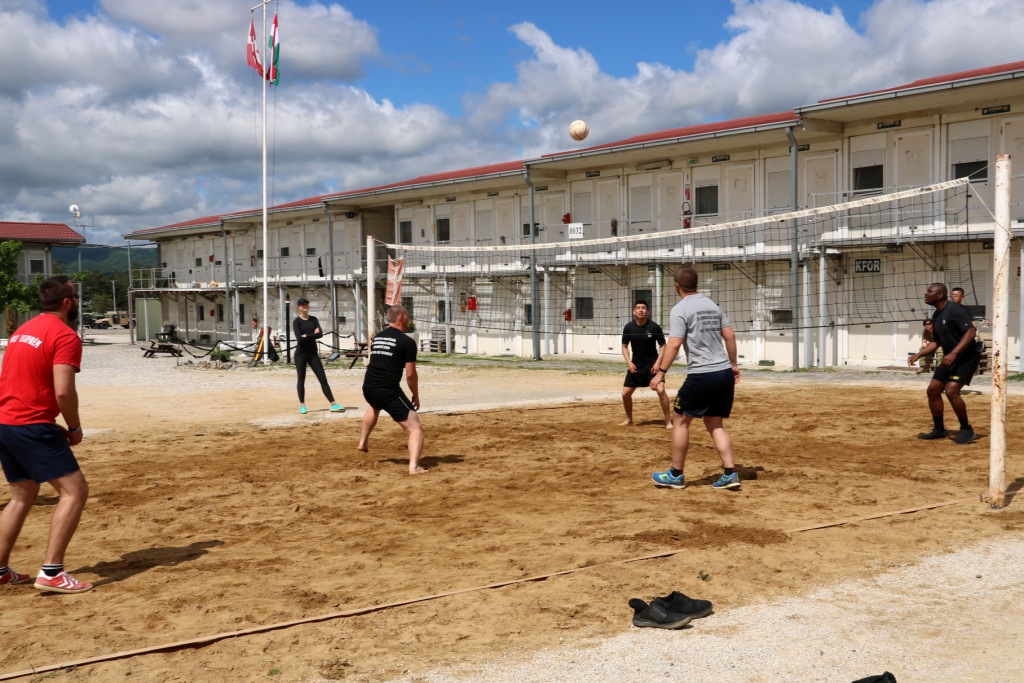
37,383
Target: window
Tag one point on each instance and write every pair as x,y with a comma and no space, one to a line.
528,315
405,232
975,170
868,166
781,317
199,262
220,313
217,263
286,251
868,179
259,253
440,311
310,251
241,311
407,304
444,229
202,311
706,200
526,229
35,266
584,308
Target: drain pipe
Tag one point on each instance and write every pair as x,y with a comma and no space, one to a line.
335,341
794,257
535,306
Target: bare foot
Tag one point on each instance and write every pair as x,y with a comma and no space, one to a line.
626,423
417,470
364,447
668,425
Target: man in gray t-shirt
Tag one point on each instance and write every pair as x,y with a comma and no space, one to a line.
699,325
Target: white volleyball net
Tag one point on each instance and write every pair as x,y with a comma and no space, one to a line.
860,262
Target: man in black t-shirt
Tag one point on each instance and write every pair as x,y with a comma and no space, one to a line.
646,339
391,353
954,333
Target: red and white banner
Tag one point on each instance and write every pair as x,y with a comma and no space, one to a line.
252,53
393,294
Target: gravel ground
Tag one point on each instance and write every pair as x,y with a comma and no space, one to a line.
954,617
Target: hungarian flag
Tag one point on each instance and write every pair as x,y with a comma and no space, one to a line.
252,53
274,47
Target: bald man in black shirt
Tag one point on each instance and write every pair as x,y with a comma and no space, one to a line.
391,353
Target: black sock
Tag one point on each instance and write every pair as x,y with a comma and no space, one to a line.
939,425
729,470
4,570
964,424
52,570
675,472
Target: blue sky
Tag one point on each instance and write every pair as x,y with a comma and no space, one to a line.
145,114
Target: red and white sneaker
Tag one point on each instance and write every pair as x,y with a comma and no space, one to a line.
12,577
62,583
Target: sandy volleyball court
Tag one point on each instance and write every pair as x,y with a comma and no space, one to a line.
215,508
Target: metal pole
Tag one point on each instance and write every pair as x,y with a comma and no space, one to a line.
371,277
794,257
133,334
1001,308
534,289
822,304
287,329
336,343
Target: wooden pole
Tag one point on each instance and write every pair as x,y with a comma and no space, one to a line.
1001,311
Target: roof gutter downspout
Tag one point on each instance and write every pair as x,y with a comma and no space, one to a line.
335,338
794,257
535,312
228,303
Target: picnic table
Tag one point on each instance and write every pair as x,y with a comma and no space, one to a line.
156,347
356,353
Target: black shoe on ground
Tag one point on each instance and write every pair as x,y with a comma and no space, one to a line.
681,604
965,436
656,615
934,434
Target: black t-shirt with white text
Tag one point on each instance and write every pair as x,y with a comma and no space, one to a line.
643,342
390,350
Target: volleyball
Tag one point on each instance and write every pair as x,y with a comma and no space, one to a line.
578,130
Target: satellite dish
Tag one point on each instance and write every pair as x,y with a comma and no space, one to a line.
74,210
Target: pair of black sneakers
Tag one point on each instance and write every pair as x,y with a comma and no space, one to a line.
673,611
965,436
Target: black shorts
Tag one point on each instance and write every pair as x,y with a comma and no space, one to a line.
708,394
39,452
393,401
641,378
961,371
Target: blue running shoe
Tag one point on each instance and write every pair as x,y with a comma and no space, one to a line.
666,480
302,410
335,408
728,481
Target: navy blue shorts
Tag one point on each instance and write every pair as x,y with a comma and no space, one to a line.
392,401
708,394
960,371
39,452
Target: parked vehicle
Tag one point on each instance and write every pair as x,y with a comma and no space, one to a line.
110,319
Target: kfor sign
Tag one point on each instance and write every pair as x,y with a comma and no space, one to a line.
867,265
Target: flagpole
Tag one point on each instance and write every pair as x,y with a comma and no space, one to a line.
266,296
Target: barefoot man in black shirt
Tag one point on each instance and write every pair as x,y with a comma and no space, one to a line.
646,339
391,352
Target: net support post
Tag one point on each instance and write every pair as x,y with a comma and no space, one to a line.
1001,310
371,279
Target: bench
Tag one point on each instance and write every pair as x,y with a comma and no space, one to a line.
356,353
161,347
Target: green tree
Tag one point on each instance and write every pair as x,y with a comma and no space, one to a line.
15,297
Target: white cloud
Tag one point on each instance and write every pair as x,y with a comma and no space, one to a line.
147,118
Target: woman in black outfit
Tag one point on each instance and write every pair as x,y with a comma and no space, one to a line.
307,330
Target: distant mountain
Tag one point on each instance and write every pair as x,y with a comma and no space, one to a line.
105,259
